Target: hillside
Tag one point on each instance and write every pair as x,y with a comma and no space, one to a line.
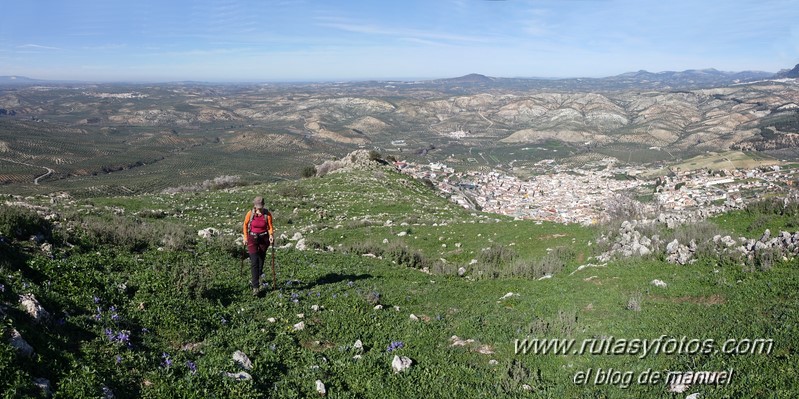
88,139
139,305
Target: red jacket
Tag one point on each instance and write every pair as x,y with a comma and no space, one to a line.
248,219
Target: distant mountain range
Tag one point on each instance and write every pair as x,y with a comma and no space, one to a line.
688,79
18,80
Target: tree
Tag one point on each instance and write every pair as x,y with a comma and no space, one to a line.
309,171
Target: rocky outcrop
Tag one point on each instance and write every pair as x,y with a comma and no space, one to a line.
630,242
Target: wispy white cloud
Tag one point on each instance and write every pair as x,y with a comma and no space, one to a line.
399,33
37,47
105,47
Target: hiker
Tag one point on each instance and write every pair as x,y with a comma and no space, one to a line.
258,236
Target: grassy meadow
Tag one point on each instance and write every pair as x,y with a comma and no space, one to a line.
140,306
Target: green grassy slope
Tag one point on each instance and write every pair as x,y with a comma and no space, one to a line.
186,311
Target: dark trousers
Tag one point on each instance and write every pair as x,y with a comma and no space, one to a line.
256,247
257,267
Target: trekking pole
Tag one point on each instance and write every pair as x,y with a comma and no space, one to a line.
274,277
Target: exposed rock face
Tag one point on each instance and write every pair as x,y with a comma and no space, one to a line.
763,251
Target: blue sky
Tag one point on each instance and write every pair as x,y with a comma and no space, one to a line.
243,40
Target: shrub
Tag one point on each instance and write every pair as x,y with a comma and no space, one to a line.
216,183
21,223
634,302
129,234
327,167
405,257
291,191
623,207
309,171
496,255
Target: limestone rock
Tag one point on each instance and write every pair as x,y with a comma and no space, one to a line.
33,308
17,342
242,360
401,363
659,283
320,388
240,376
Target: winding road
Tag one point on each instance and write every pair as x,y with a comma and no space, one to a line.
37,178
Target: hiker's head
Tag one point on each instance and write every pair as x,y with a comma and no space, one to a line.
258,202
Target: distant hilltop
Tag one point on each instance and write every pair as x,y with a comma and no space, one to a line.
17,79
472,78
788,73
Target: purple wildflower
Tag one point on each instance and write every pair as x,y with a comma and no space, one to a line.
109,334
192,367
166,361
2,288
118,359
96,299
115,317
123,337
395,345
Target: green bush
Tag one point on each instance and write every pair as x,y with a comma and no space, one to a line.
21,223
129,234
309,171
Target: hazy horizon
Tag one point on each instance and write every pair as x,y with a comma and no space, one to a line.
286,41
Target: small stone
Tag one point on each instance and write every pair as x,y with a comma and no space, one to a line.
506,296
659,283
413,317
33,308
672,247
358,345
19,343
402,234
320,387
493,362
299,326
315,308
378,307
271,320
242,360
44,386
401,363
461,271
240,376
